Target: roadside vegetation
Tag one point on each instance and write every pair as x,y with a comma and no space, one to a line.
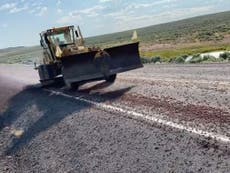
21,55
165,43
175,52
194,59
178,39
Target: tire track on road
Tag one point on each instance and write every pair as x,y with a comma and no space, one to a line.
146,117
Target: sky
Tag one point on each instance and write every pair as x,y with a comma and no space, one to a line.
21,21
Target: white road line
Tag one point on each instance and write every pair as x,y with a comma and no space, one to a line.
136,115
184,81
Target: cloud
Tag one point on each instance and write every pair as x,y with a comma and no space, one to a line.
129,20
28,6
4,25
36,4
13,7
37,8
79,14
133,15
59,10
7,6
58,3
69,19
58,6
93,11
18,9
150,4
42,11
102,1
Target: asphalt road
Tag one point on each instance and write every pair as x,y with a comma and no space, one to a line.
161,118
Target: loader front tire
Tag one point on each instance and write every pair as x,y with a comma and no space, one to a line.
102,61
111,78
71,85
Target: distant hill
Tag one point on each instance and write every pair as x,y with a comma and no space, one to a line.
20,54
213,27
9,49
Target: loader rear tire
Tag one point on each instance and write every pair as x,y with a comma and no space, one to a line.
111,78
46,83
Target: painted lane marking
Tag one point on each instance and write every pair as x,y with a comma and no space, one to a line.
136,115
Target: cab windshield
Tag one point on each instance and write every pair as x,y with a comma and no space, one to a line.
62,38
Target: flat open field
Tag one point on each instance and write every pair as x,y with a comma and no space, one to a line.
161,118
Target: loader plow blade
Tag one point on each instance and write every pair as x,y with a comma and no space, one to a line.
124,58
85,66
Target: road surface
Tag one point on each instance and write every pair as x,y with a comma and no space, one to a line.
161,118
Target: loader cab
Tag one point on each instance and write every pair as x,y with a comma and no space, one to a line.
58,39
60,36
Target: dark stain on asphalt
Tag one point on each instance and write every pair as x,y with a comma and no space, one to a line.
187,112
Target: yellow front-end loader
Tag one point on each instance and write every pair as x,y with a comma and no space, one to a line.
66,56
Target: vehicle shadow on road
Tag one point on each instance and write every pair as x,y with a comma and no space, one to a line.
97,86
35,111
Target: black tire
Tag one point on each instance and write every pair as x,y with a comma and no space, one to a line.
111,78
72,86
48,72
75,86
46,83
102,61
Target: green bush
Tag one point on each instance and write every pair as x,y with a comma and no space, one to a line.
225,55
179,60
156,59
145,60
205,59
151,60
209,58
196,59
